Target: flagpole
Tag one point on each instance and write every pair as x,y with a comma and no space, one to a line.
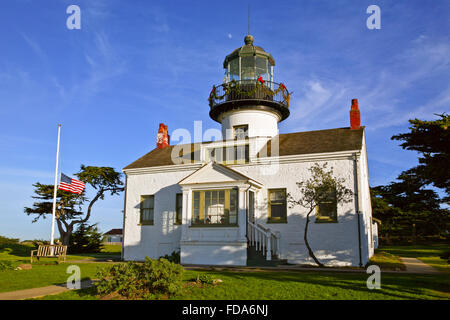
55,188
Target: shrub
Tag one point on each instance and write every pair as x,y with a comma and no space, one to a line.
205,279
5,240
6,265
149,280
38,242
15,249
174,257
86,239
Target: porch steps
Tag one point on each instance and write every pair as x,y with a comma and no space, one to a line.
255,258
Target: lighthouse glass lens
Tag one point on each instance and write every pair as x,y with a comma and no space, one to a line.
248,68
261,68
234,69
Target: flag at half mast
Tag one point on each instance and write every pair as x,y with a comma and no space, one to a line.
71,185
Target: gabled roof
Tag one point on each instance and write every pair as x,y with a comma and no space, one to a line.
321,141
114,232
308,142
214,172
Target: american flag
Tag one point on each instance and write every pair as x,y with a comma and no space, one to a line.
71,185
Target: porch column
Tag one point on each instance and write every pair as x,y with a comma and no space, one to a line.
242,213
186,213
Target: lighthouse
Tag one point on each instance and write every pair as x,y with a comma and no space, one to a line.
249,103
227,201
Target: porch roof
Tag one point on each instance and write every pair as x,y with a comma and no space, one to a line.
213,172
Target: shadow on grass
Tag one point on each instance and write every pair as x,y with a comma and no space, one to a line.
393,286
82,294
414,251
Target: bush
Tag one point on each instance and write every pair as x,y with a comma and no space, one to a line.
86,239
205,279
6,265
5,240
149,280
37,243
174,257
15,249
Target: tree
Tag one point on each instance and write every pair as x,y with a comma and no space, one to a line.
385,212
316,190
407,208
69,211
432,140
86,239
68,207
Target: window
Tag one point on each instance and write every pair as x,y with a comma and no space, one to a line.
229,155
147,209
179,208
215,154
248,68
326,211
240,132
277,205
236,154
214,207
261,67
234,69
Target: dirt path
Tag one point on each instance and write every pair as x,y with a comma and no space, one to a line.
40,292
414,265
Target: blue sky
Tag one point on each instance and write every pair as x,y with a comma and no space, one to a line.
137,63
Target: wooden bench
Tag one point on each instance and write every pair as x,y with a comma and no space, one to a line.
50,251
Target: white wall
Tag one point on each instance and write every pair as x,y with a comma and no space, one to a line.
260,123
366,206
214,253
333,243
113,238
164,236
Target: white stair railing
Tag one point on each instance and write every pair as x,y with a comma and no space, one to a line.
264,240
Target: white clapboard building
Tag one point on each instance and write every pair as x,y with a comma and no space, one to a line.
225,202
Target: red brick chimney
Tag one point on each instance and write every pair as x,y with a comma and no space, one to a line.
162,138
355,116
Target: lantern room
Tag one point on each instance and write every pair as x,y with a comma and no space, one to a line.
248,96
249,62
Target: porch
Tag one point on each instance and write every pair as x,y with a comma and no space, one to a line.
218,220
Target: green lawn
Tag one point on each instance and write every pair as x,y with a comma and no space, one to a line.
20,253
387,261
429,254
248,285
301,285
45,272
42,275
